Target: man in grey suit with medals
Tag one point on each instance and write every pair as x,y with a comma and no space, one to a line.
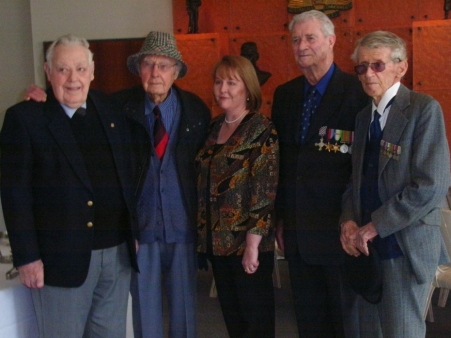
401,173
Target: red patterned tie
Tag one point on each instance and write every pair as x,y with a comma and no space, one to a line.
160,135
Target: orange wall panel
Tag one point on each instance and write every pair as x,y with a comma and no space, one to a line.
432,55
258,16
200,52
385,13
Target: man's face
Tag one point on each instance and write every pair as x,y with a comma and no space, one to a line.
155,81
375,84
310,47
70,74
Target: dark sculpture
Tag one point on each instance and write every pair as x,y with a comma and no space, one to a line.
447,8
249,51
192,7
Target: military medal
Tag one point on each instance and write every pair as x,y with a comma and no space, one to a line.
390,150
322,133
334,136
344,148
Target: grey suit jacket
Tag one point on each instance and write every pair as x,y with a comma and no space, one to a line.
412,186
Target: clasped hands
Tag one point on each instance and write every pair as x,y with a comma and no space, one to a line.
354,240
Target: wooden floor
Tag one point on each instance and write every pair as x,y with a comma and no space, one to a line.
211,324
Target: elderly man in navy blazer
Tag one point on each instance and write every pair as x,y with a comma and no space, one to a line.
67,200
401,173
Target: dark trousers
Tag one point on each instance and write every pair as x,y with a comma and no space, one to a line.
320,298
247,300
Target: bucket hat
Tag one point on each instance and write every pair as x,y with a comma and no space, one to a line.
157,43
365,275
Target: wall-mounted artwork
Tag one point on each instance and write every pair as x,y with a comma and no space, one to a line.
331,8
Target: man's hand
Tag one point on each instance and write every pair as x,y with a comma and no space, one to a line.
279,236
349,230
365,234
32,274
35,93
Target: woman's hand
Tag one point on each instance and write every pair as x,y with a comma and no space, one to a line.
250,257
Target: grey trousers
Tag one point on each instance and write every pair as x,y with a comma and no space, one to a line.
96,309
165,270
400,313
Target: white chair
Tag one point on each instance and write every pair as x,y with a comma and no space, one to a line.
442,278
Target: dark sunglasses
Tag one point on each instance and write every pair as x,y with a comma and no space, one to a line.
377,67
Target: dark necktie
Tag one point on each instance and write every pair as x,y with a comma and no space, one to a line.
81,111
375,127
307,112
375,130
160,135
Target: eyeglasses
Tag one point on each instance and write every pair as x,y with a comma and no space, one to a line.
162,67
377,67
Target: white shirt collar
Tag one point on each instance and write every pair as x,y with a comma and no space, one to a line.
71,111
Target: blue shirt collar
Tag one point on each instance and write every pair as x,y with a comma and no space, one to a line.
323,83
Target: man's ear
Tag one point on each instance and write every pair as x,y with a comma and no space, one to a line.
402,68
92,75
47,70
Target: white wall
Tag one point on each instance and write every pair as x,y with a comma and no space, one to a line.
16,52
26,24
95,19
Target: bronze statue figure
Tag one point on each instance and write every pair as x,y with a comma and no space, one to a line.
249,51
192,7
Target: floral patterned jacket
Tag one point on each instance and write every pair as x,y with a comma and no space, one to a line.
242,180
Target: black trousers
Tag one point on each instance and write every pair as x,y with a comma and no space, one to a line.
325,305
247,300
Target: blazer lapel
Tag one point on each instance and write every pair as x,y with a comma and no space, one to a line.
62,133
396,123
110,124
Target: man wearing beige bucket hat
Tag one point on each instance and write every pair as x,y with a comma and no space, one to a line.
166,188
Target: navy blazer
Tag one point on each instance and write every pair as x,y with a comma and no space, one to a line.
311,182
45,187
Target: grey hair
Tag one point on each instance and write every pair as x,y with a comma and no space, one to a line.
381,39
67,40
327,26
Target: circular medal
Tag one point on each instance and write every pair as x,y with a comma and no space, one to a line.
344,148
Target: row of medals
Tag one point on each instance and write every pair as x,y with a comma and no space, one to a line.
335,147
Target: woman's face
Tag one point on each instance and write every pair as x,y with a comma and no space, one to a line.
230,92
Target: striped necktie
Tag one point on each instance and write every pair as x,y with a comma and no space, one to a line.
160,135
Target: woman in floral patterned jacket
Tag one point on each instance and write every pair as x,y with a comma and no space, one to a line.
238,175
